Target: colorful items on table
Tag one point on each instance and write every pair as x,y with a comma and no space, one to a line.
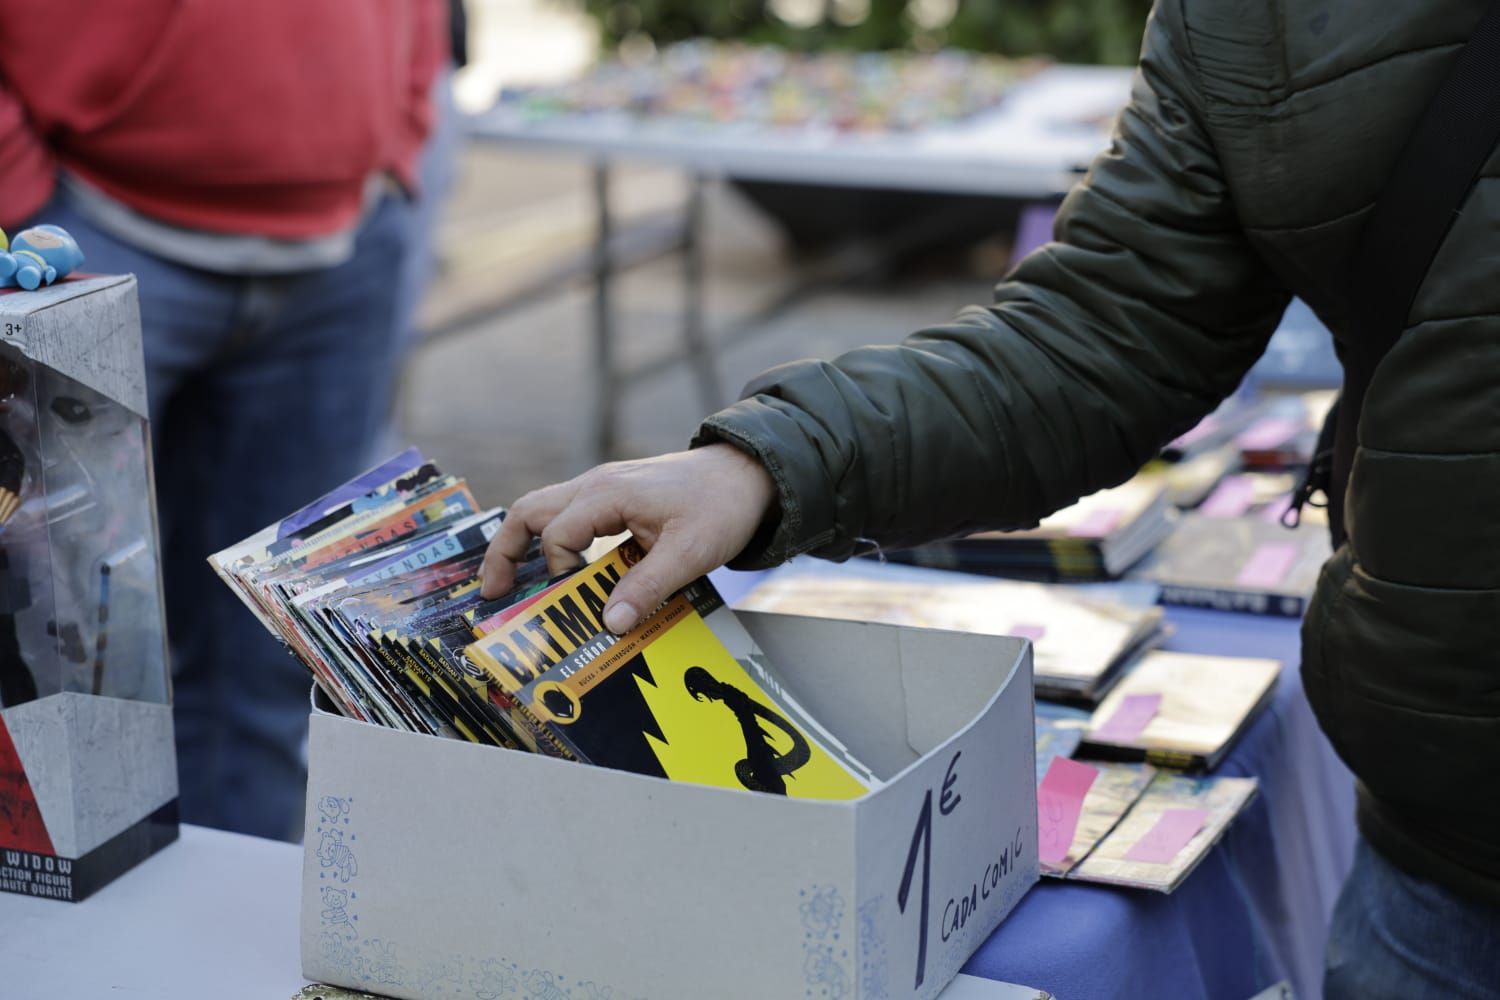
730,82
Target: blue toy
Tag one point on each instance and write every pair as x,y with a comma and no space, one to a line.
37,256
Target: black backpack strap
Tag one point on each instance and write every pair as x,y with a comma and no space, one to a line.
1424,193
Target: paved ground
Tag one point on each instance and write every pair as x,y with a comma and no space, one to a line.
506,401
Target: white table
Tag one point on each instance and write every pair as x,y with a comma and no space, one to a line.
1032,146
211,917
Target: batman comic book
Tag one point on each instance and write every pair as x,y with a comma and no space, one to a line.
669,699
538,633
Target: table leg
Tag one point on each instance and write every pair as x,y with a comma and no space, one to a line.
700,354
606,379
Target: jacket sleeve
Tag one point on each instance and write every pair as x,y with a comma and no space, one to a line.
1100,347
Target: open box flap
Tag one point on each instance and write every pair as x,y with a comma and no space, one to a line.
891,692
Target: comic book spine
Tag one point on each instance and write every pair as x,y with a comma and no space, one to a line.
438,669
443,700
1225,599
531,731
454,499
425,690
415,686
1178,760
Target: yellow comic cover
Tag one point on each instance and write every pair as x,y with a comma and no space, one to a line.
670,699
542,631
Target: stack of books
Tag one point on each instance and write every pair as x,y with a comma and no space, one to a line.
1084,640
1098,538
1233,553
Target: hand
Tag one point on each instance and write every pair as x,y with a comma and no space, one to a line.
692,511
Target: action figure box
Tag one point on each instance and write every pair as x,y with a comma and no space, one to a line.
88,774
437,867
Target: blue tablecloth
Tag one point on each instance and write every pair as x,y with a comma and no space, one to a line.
1254,912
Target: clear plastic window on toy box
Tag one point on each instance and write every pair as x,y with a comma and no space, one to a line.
80,594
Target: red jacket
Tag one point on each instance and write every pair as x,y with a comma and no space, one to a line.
261,117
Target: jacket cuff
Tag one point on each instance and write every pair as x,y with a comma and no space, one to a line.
804,517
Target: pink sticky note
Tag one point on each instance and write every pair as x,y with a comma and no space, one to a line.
1267,433
1231,498
1168,836
1032,632
1268,565
1059,800
1096,524
1129,719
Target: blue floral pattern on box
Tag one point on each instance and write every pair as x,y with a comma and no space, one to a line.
874,974
825,951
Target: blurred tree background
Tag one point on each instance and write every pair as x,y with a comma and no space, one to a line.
1077,31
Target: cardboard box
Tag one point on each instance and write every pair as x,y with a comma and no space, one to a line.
437,868
88,775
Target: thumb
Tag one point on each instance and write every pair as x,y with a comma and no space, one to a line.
671,565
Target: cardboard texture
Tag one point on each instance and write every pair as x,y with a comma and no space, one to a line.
87,328
435,867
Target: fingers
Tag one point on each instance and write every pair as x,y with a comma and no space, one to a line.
671,564
690,510
526,519
574,529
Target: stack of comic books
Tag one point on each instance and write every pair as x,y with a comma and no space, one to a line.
375,588
1233,553
1127,824
1098,538
363,585
1130,825
1083,639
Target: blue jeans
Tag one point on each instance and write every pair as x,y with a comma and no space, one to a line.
1398,936
264,393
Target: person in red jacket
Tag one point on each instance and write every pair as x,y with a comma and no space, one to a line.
254,166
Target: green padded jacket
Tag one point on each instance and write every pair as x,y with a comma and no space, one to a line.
1258,134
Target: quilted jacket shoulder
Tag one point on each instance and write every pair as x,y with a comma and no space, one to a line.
1257,137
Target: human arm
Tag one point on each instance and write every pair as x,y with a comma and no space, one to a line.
1097,350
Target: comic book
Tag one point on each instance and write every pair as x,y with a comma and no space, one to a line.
1109,798
1059,731
531,637
1181,710
357,584
1081,642
1246,561
1097,538
1167,832
688,696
